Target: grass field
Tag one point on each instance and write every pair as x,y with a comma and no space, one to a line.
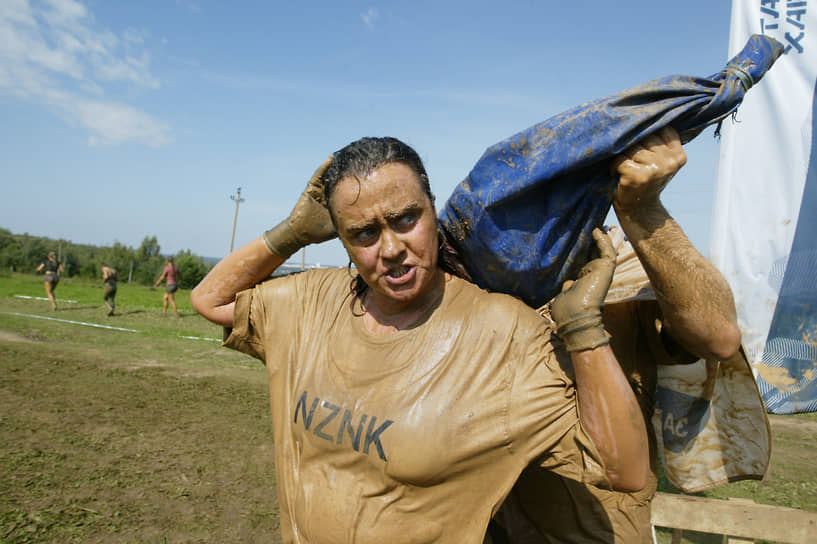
148,436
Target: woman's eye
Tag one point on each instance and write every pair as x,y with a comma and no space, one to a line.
407,220
366,235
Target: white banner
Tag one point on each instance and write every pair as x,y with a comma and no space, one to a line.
764,229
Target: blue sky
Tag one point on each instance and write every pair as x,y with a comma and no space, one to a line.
127,119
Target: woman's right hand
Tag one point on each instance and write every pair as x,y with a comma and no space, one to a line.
309,221
645,169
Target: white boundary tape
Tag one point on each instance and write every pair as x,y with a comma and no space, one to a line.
201,338
44,298
101,326
72,322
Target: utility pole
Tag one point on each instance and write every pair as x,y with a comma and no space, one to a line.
238,200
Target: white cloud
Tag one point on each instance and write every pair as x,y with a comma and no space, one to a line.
52,52
370,17
117,123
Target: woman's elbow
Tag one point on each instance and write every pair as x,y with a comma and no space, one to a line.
633,479
202,303
198,300
628,464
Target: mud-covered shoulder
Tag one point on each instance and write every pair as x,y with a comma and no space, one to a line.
504,310
319,281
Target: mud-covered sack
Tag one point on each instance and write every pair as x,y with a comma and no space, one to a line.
522,219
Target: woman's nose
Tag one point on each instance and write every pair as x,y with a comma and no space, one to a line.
391,246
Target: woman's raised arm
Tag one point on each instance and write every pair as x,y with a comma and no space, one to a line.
308,223
214,297
608,409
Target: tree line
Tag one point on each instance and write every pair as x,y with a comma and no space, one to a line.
23,253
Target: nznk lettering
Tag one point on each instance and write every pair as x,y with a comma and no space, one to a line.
324,428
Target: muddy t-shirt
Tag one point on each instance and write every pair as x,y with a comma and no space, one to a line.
414,436
545,507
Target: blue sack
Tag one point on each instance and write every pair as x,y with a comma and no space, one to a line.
521,221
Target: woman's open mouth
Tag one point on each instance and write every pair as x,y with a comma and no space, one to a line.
399,271
399,274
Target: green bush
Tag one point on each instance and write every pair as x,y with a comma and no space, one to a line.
23,253
191,269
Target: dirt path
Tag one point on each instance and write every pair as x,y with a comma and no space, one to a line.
13,337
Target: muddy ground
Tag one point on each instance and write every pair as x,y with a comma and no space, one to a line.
131,448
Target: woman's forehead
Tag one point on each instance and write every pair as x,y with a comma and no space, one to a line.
394,184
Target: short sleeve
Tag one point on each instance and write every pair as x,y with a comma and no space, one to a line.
266,317
272,319
545,411
248,323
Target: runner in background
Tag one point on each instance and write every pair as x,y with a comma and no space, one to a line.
52,276
109,279
170,275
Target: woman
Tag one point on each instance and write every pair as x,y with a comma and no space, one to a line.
406,401
170,275
109,279
52,277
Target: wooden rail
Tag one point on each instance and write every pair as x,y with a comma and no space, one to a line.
739,520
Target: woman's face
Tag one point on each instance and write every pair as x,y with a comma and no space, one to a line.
389,228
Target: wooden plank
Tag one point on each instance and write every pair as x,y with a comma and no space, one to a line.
735,518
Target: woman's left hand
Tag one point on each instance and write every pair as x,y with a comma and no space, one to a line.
577,310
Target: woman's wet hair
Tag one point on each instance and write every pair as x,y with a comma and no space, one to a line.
364,156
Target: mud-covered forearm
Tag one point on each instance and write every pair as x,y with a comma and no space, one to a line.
608,408
214,297
309,222
696,302
610,414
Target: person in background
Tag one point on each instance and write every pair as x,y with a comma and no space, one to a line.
109,280
691,316
52,270
405,400
170,275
